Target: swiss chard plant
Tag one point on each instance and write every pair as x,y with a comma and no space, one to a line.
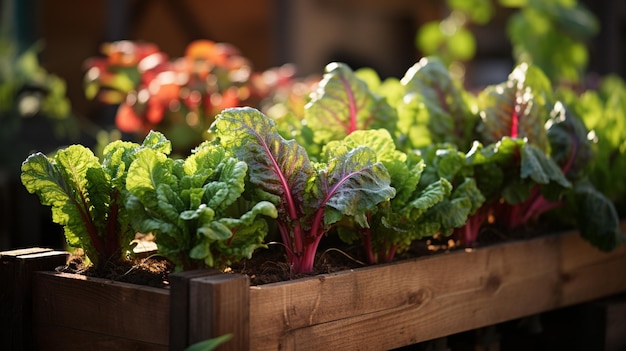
87,196
434,108
503,134
342,104
514,115
594,212
195,206
354,109
310,197
395,224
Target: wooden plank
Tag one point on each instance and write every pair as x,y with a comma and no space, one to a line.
588,273
16,270
179,306
57,338
430,297
123,310
218,305
415,300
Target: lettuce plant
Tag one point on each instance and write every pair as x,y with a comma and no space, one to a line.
87,196
464,211
310,197
195,207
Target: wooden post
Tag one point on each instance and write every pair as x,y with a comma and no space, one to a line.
16,271
179,306
219,305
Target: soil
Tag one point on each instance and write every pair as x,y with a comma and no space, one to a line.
270,265
149,271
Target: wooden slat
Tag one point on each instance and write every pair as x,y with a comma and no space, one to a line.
56,338
218,305
378,308
179,306
588,273
127,311
373,308
16,270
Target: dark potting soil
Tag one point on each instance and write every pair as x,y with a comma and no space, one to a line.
270,265
151,271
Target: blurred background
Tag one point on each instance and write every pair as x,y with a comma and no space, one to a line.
45,46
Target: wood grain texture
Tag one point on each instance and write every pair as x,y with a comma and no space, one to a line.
218,305
100,306
179,306
378,308
16,270
57,338
372,308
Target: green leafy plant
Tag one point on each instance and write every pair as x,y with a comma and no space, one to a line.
394,224
310,197
349,110
549,34
195,207
500,150
87,196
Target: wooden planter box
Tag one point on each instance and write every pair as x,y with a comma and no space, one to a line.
73,312
372,308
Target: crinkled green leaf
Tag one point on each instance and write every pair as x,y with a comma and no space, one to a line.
93,209
157,142
248,232
394,223
540,168
194,206
214,230
502,152
438,102
515,109
427,198
62,183
234,238
597,218
343,103
309,198
442,161
403,178
352,184
117,157
227,183
464,201
147,172
279,169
